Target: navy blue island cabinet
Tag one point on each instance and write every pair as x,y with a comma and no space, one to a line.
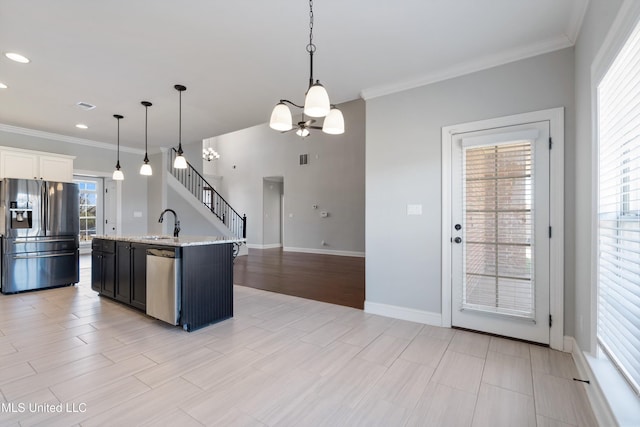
203,275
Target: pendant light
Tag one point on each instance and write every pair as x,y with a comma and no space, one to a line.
145,169
180,162
316,103
117,174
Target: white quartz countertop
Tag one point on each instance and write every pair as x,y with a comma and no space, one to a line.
164,240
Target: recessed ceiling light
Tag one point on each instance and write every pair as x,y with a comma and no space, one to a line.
3,86
82,126
17,57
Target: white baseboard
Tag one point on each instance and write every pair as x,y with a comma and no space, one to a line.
568,344
403,313
598,402
324,251
270,246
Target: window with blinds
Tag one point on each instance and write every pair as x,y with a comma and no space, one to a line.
498,219
618,233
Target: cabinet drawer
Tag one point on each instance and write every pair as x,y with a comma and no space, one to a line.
103,245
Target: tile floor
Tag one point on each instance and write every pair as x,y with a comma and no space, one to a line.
281,361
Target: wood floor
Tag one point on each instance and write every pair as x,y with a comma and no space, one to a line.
328,278
281,361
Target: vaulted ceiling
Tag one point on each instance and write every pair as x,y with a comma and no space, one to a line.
238,58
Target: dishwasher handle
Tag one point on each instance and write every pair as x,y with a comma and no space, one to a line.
164,253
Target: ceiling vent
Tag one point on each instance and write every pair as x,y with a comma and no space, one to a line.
85,105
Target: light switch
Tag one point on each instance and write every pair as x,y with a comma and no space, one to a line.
137,214
414,209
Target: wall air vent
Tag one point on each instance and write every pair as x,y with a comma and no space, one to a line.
304,159
85,105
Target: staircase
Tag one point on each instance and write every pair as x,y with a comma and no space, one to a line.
204,192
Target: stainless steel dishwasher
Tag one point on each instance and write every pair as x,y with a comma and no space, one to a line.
163,284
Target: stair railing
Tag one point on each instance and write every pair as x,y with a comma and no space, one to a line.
195,183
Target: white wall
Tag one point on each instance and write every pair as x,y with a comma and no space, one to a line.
334,180
403,166
96,159
597,23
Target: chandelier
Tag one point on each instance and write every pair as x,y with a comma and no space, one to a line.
316,103
209,154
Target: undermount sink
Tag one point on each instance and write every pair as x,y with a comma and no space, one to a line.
156,237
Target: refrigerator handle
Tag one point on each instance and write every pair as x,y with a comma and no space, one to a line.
45,206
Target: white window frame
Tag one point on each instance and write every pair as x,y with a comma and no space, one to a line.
99,202
612,398
81,173
555,116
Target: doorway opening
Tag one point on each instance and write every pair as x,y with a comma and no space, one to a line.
272,212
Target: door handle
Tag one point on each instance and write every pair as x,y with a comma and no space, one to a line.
45,240
457,240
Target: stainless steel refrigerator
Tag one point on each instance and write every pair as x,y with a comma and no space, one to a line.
39,222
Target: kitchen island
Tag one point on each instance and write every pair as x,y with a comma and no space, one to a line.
197,269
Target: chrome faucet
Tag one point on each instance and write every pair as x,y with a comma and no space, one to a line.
176,223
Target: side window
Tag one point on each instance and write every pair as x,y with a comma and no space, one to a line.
88,214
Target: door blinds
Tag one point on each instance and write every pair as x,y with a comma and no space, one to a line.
498,224
618,279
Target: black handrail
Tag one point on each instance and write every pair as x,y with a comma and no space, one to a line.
208,196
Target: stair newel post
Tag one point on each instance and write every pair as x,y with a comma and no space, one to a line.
244,226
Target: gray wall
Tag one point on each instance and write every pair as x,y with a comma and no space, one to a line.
192,223
134,187
155,186
597,23
333,180
403,166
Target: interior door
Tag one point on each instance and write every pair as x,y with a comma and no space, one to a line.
500,220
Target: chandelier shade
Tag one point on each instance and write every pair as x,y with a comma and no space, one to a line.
146,170
302,131
180,162
316,103
333,123
281,119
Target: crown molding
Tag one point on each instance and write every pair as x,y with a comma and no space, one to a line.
68,139
470,67
578,12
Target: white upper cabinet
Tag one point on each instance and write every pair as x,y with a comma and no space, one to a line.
56,168
17,163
